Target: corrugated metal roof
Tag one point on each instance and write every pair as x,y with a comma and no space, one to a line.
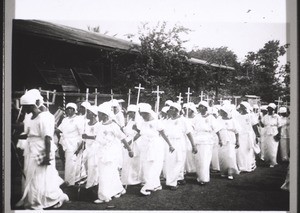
85,38
69,34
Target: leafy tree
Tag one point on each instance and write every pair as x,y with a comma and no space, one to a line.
218,79
161,61
260,72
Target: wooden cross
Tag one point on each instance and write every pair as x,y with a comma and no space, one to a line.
129,93
278,101
179,98
188,95
111,94
235,99
157,98
201,96
139,88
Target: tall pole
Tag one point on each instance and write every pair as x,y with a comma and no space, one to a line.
129,93
96,94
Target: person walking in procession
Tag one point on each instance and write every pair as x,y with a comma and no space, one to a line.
42,180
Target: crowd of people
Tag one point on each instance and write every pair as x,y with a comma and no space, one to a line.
112,147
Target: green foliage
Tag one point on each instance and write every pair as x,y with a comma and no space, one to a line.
260,72
161,61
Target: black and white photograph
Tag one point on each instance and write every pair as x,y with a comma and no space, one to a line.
162,105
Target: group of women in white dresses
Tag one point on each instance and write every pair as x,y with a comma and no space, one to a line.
149,146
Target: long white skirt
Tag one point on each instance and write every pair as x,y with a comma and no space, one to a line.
203,160
130,174
152,157
215,165
270,149
109,180
92,166
174,162
190,165
284,148
244,154
41,186
227,157
74,167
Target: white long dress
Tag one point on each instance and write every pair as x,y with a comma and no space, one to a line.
42,181
190,165
91,147
72,129
109,137
284,143
205,128
245,153
151,153
130,174
227,153
176,131
269,145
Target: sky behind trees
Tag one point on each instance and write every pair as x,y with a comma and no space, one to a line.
242,26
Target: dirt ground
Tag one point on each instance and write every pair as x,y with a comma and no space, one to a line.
255,191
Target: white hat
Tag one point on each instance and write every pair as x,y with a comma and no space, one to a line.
272,105
226,102
263,107
203,103
176,106
36,93
114,103
228,109
120,100
191,106
72,105
282,110
168,102
165,109
132,108
85,104
145,107
106,109
28,99
93,109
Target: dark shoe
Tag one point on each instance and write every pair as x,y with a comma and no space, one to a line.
173,188
181,182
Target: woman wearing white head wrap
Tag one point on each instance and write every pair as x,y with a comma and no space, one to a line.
247,137
271,135
190,166
131,166
151,149
70,133
205,129
91,146
108,138
228,143
176,129
42,179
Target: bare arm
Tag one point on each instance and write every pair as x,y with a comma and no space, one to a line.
171,148
190,137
